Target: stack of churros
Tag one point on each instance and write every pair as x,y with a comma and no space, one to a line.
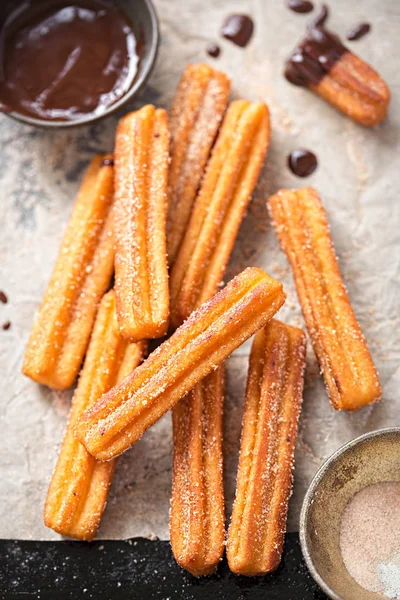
182,186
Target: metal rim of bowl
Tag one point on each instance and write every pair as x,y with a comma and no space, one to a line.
137,84
310,493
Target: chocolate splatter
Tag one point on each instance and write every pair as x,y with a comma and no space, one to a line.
358,32
300,6
213,50
302,162
238,29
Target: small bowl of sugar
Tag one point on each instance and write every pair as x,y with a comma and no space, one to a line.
350,520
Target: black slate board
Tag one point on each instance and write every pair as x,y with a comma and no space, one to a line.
138,569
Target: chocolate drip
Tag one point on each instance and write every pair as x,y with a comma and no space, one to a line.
316,54
358,32
3,297
213,50
300,6
302,162
6,325
238,29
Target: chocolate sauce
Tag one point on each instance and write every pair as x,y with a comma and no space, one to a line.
213,50
6,325
3,297
238,29
315,55
300,6
358,32
61,60
107,162
302,162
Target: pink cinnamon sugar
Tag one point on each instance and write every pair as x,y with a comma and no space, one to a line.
370,537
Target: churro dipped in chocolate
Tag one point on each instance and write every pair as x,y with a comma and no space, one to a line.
82,273
141,276
80,484
202,343
230,177
264,481
197,518
195,116
322,63
303,231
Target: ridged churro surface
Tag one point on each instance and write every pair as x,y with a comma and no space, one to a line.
230,177
195,116
197,517
202,343
356,89
303,231
82,273
141,276
80,484
269,428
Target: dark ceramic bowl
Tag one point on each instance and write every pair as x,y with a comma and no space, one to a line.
145,26
371,458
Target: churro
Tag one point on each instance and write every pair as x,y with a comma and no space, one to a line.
197,519
200,345
323,64
195,117
230,177
273,401
141,275
303,231
82,273
80,484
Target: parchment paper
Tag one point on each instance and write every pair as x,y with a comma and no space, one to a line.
357,178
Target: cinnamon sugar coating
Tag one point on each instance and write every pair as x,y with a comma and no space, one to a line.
195,117
345,361
82,273
141,275
197,516
198,347
80,484
229,180
264,481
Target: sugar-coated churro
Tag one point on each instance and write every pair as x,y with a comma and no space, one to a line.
269,428
141,275
303,231
197,518
82,273
202,343
79,487
229,181
323,64
195,117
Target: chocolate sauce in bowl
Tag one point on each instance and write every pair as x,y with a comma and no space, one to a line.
358,32
302,162
300,6
316,54
61,60
238,29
